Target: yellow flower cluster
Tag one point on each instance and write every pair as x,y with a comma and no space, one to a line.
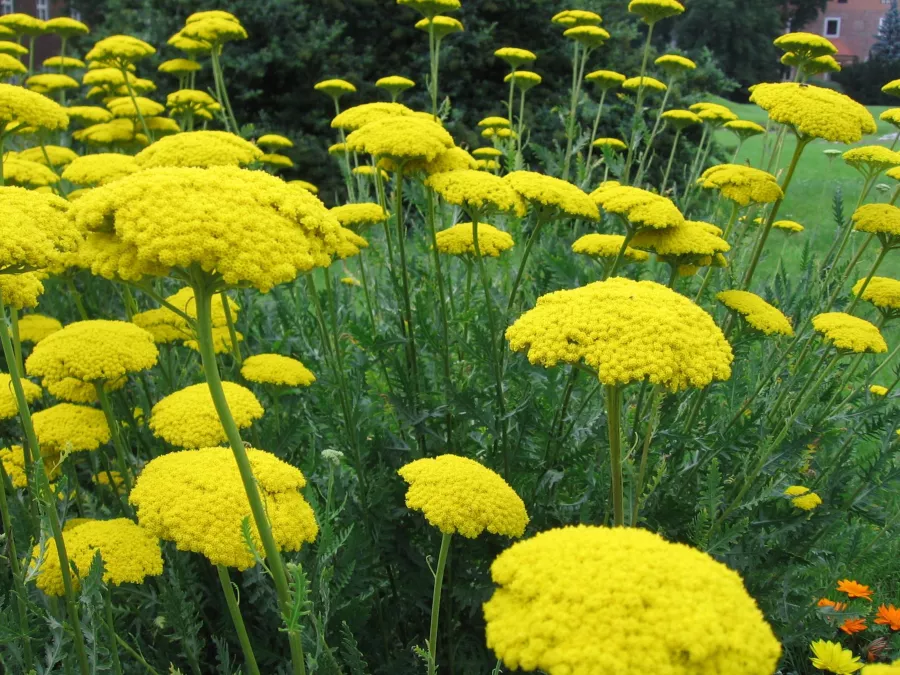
17,171
124,106
395,84
400,139
576,17
648,83
431,7
452,159
875,158
460,240
360,215
34,229
882,292
8,406
742,184
276,369
460,496
878,390
35,327
14,464
477,191
23,24
877,219
196,499
681,119
221,340
107,256
120,49
276,160
442,26
59,156
688,239
70,427
674,64
589,37
849,333
358,116
188,418
614,144
179,66
788,225
652,11
93,351
745,129
199,149
557,592
639,207
75,391
552,196
607,246
22,108
514,56
100,169
805,45
246,226
130,554
605,80
756,312
628,331
807,501
713,113
814,112
214,27
882,668
10,65
21,291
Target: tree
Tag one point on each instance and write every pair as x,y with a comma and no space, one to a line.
798,13
887,41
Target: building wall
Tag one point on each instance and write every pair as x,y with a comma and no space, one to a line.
857,24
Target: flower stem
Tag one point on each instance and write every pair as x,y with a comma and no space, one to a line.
442,308
613,423
114,431
15,569
596,124
662,189
235,612
232,333
436,603
868,278
519,273
639,101
111,630
645,452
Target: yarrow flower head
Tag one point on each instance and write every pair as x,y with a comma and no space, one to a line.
854,589
70,427
713,114
8,406
358,116
880,219
59,155
13,460
628,331
681,244
335,88
359,216
849,333
21,291
120,50
524,79
560,589
576,17
214,27
515,57
789,226
130,554
400,139
742,184
552,195
277,370
442,26
35,327
198,149
607,246
878,390
21,108
640,208
807,501
195,498
647,83
805,45
745,129
395,84
460,496
871,159
612,144
757,312
674,64
681,119
100,169
35,230
605,80
431,7
589,37
652,11
188,418
831,656
460,240
477,192
882,292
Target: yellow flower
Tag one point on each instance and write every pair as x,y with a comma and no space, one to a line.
120,49
881,219
882,668
807,502
788,225
681,119
487,165
553,196
13,459
477,191
63,63
441,25
215,27
589,37
22,108
627,331
742,184
613,144
871,158
607,246
35,327
460,496
674,64
805,45
814,112
93,351
640,208
796,490
745,129
335,88
59,156
560,590
452,159
70,427
360,215
652,11
648,83
605,80
849,333
366,170
21,291
124,106
494,122
198,149
460,240
878,390
831,656
339,149
47,83
8,407
515,57
196,499
221,340
276,160
891,116
24,24
358,116
276,369
713,113
17,171
76,391
576,17
681,242
523,79
882,292
12,48
35,229
401,139
65,26
130,554
756,312
88,114
100,169
188,418
179,67
108,257
191,101
306,185
10,65
395,84
246,226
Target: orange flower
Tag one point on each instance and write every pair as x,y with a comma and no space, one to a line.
836,606
889,616
855,590
851,626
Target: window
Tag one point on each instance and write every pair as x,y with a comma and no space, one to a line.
842,2
7,7
832,27
75,14
42,7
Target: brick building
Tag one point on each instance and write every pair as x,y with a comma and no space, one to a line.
46,45
851,25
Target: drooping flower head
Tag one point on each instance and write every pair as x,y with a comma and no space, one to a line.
48,83
70,427
202,149
559,590
10,65
460,240
607,246
120,50
524,80
742,184
652,11
195,498
515,57
849,333
359,216
576,17
188,418
756,312
628,331
713,114
24,24
477,192
589,37
460,496
213,27
394,85
832,657
552,196
276,369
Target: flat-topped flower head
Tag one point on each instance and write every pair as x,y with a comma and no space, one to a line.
358,116
588,37
400,139
100,169
458,495
756,312
306,185
278,370
441,26
359,216
48,83
878,390
64,63
125,106
494,122
814,112
833,658
276,161
682,243
190,46
188,418
745,129
120,50
394,84
335,88
612,144
487,153
628,331
130,554
882,292
891,116
805,45
675,64
652,11
8,407
880,219
244,227
515,57
13,460
93,351
849,333
742,184
552,195
560,589
70,427
607,246
59,156
789,226
648,83
21,172
35,327
71,390
12,48
477,192
854,589
214,27
871,159
431,7
35,230
605,80
24,24
892,88
713,114
21,108
807,502
10,65
179,67
88,114
523,79
639,207
199,149
460,240
21,291
66,27
681,119
816,66
195,498
576,17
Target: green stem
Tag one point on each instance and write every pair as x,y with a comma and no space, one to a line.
137,657
115,432
709,270
662,189
219,73
620,256
512,87
613,423
17,344
848,230
411,354
590,168
520,272
645,452
573,110
638,112
646,154
436,603
872,270
203,296
232,333
572,100
442,308
137,108
371,311
111,630
520,160
15,569
76,297
235,612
